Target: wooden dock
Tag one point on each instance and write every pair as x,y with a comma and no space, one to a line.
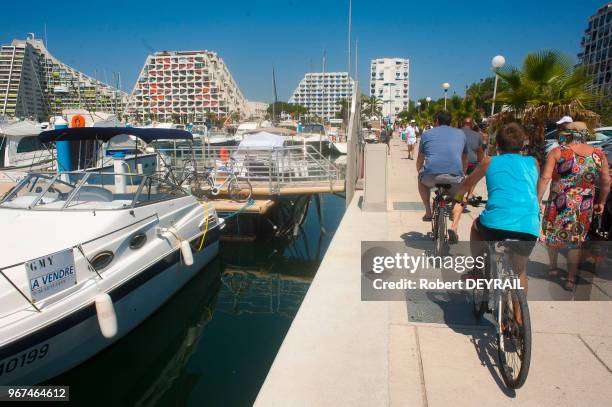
265,189
259,206
299,189
262,195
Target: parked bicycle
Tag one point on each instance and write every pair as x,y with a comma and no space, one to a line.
225,178
510,313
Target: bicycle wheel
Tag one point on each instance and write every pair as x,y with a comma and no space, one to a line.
207,186
480,297
514,338
440,243
434,222
240,190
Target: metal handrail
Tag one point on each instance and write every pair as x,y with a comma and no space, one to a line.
272,166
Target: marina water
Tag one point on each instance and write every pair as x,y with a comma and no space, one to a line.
213,343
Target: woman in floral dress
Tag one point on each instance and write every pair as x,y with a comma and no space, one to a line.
576,169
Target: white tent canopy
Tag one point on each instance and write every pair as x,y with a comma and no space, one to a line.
262,139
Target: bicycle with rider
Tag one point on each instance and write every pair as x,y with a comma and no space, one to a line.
442,159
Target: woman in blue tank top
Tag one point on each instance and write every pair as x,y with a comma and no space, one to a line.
512,210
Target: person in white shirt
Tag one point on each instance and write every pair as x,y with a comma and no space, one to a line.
411,139
416,128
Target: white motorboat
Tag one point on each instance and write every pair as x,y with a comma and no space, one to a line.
339,147
243,129
21,151
218,137
214,137
89,255
263,155
315,135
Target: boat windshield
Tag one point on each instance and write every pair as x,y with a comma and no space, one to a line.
314,128
89,191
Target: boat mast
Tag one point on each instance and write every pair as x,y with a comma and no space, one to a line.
350,18
275,96
324,102
323,87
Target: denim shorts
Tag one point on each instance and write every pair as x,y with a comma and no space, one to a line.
431,180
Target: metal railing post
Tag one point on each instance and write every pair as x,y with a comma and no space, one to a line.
352,140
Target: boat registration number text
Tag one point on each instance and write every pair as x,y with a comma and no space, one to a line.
24,359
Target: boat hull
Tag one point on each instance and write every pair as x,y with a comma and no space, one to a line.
341,148
68,342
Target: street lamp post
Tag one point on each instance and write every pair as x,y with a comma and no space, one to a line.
428,99
445,86
419,109
497,62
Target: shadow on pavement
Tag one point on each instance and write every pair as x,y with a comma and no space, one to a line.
411,237
485,344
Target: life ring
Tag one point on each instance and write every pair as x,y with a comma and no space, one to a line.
224,154
77,121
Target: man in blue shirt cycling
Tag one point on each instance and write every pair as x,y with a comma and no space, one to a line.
442,159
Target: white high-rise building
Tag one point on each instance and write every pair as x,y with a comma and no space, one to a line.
390,82
320,92
35,84
257,110
596,54
185,86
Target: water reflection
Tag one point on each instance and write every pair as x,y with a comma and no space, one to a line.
265,279
214,342
142,366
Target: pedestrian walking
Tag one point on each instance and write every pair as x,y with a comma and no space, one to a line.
385,136
411,139
575,169
416,127
475,150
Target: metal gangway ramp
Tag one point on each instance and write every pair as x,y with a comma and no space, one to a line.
272,171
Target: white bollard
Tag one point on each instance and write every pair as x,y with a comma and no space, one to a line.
107,319
375,191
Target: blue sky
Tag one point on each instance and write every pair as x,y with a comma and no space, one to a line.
446,41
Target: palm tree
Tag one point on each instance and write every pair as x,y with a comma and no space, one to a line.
481,94
546,87
371,106
460,108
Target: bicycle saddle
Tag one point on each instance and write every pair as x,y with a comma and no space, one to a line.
444,186
506,242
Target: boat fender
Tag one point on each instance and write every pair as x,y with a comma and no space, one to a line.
184,245
186,253
107,319
224,153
